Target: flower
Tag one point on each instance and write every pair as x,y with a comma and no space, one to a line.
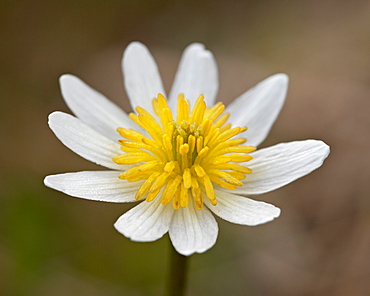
180,158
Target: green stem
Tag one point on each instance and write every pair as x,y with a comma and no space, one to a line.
176,282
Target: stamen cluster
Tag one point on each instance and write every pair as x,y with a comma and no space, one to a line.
185,157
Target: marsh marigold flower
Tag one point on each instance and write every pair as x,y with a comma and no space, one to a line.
182,157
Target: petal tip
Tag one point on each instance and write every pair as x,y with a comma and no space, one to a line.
66,77
195,46
191,251
52,116
280,78
325,149
55,116
134,47
273,213
47,181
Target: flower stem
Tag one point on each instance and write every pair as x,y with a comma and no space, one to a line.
176,282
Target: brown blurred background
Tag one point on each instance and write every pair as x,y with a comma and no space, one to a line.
52,244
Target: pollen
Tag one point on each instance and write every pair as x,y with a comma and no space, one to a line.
185,157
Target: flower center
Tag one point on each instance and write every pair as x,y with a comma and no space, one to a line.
183,158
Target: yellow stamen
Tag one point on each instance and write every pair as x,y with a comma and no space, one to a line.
226,176
146,185
176,201
171,190
184,156
182,109
187,178
132,158
160,182
197,193
209,190
199,170
184,196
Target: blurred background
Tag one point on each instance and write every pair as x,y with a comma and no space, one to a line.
52,244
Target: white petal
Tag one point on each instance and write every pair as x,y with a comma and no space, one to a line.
146,222
93,108
85,141
281,164
242,210
259,107
193,231
94,185
197,74
141,76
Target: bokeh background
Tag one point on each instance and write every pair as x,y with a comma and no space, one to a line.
52,244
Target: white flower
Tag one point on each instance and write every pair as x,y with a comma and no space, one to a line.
184,163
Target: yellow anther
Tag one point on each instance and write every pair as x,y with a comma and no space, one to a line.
150,142
211,137
132,158
207,125
237,175
152,195
218,160
225,127
171,189
156,107
167,114
197,194
222,120
139,176
159,182
209,190
130,134
182,110
128,149
216,111
237,157
184,149
199,144
167,142
176,201
200,155
128,173
226,176
135,119
162,101
149,165
197,102
191,143
187,178
233,166
184,196
146,185
179,142
222,183
229,134
140,145
199,170
229,143
151,127
184,156
168,168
